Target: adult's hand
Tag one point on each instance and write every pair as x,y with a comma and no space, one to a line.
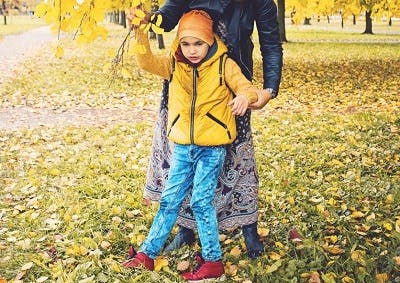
264,96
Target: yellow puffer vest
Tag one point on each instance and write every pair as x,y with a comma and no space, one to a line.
197,109
198,97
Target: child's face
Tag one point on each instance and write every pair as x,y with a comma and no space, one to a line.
193,49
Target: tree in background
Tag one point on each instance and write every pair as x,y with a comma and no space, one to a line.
347,8
281,20
387,9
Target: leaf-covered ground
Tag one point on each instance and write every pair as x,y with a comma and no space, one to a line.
328,152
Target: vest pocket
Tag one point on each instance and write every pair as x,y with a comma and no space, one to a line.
173,123
219,122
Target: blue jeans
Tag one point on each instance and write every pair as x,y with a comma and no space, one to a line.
191,166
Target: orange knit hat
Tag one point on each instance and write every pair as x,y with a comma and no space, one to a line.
196,23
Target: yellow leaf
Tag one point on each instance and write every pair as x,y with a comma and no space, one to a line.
231,269
236,252
291,200
126,74
389,198
274,266
274,256
59,51
160,262
111,52
41,9
55,172
329,277
222,237
136,21
279,244
145,27
140,238
388,226
397,260
382,277
371,217
115,267
333,249
347,279
320,208
157,29
139,13
397,226
135,3
158,19
107,68
263,232
357,214
331,201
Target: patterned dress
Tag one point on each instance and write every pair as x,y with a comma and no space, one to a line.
236,198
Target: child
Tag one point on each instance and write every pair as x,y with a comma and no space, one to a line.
201,122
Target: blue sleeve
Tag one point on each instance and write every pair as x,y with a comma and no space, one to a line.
270,43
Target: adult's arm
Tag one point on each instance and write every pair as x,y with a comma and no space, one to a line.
171,12
270,44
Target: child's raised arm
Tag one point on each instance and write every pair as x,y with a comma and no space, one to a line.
160,65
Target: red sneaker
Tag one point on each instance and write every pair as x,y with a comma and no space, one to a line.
140,260
208,270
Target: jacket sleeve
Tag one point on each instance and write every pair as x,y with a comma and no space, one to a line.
171,12
237,82
270,43
159,65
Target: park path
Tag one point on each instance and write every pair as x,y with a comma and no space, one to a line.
14,50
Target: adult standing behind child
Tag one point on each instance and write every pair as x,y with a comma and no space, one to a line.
201,123
237,192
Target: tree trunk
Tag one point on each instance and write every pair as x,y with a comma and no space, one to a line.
281,20
390,21
122,18
354,19
368,22
328,19
3,9
307,21
160,39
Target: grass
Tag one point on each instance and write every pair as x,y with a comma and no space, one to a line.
327,151
18,24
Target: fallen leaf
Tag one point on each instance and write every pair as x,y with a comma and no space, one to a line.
159,263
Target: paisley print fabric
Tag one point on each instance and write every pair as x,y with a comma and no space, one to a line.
236,198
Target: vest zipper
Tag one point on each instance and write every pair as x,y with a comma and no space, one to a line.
192,112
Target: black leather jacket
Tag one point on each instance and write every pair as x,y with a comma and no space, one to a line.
239,21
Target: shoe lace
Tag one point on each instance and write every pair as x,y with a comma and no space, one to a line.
200,261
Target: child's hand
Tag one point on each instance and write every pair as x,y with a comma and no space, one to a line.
130,15
239,105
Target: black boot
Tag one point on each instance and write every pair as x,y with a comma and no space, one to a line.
184,236
252,240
